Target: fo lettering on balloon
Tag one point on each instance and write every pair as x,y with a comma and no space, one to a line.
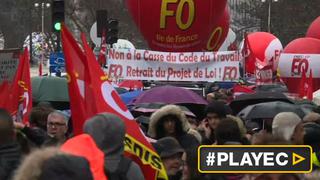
177,25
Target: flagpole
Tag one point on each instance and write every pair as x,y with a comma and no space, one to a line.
244,56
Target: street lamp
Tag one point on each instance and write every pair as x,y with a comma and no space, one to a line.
269,12
43,5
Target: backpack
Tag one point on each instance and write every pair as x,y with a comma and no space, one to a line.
121,172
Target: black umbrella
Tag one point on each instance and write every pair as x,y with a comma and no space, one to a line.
306,104
280,88
245,100
269,110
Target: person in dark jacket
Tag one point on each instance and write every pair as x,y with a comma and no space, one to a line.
170,153
10,153
108,132
57,127
214,112
171,121
228,133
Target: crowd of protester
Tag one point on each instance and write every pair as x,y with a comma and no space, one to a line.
39,151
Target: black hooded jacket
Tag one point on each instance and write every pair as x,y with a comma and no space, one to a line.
186,137
108,131
10,156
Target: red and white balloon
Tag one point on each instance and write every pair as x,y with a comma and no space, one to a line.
291,69
265,48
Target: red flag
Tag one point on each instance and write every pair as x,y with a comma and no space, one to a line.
94,94
303,84
310,87
75,69
24,87
248,56
242,89
18,94
239,89
102,55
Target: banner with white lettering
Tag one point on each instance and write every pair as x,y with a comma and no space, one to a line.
167,66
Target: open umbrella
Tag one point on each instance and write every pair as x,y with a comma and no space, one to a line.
54,90
170,95
129,96
49,88
245,100
131,84
306,105
269,110
120,90
280,88
149,108
173,95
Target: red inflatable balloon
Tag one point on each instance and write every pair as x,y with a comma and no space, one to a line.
219,33
303,46
300,46
314,29
176,25
263,46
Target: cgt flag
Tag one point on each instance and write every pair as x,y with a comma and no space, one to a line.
91,93
23,87
16,97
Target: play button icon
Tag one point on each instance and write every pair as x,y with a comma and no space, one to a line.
297,159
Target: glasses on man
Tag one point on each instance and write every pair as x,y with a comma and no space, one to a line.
56,124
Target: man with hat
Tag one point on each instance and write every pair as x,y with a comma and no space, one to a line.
170,153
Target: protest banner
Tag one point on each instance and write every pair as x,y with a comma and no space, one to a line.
9,60
168,66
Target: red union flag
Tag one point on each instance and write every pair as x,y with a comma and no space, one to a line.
91,93
310,87
23,88
15,94
303,85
